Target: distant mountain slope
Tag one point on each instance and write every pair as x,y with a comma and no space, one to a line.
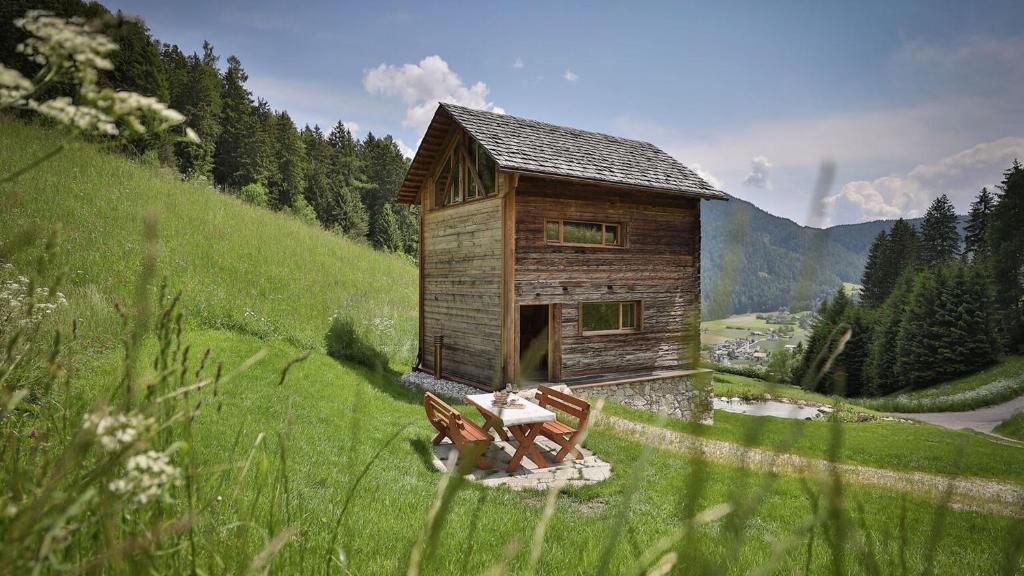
769,253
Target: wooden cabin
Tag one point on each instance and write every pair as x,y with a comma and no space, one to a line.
553,254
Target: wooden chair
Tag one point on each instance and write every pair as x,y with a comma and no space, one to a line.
562,434
471,440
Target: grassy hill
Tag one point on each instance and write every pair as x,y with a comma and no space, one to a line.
327,471
241,268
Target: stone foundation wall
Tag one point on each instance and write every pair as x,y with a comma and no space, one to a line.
687,396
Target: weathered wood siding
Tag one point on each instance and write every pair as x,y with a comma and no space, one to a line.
659,266
461,268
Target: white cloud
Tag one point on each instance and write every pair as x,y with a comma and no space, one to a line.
708,176
519,63
353,127
959,176
570,75
760,173
406,150
421,86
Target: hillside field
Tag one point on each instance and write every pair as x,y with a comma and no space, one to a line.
340,453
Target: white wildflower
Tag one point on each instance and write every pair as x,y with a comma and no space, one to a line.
70,49
191,135
148,477
116,432
13,86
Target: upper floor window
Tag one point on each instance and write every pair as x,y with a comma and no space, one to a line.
468,172
583,233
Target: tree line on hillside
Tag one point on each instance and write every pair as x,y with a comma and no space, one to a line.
246,148
934,306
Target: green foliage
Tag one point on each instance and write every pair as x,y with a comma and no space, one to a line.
386,233
303,211
948,328
255,194
781,364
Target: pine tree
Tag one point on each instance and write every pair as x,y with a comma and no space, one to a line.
1006,244
917,336
852,362
881,371
387,236
877,280
976,230
231,162
195,90
385,170
288,177
825,334
904,248
971,335
940,241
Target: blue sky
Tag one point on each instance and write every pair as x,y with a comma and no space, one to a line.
910,99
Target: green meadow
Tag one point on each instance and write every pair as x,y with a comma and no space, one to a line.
304,464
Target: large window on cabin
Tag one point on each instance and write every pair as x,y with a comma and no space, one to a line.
609,317
583,233
466,173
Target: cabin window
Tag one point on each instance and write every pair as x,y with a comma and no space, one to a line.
467,173
608,317
583,233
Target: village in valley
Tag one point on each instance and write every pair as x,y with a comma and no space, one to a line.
749,340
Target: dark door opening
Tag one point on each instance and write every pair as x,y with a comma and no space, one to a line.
533,343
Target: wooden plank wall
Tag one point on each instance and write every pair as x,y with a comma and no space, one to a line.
660,266
461,274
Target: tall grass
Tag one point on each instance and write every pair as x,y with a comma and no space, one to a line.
244,268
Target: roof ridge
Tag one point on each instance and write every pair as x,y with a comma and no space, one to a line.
550,125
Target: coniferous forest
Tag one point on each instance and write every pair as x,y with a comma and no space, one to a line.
934,306
246,148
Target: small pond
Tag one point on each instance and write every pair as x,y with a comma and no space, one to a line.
766,408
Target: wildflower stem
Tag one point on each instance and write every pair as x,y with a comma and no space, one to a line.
33,164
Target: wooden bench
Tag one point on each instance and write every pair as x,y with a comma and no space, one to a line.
560,433
471,440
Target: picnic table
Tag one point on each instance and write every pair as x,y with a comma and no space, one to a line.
523,422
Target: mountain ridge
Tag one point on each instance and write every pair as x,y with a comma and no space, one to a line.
753,260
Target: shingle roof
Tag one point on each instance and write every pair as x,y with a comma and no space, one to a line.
529,146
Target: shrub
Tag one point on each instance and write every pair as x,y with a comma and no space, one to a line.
303,211
255,194
345,342
758,373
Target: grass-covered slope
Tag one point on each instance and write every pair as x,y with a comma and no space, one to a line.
241,268
1000,383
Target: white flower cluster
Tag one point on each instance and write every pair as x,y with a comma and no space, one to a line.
84,118
987,393
65,48
13,87
383,324
116,432
20,305
148,476
65,44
